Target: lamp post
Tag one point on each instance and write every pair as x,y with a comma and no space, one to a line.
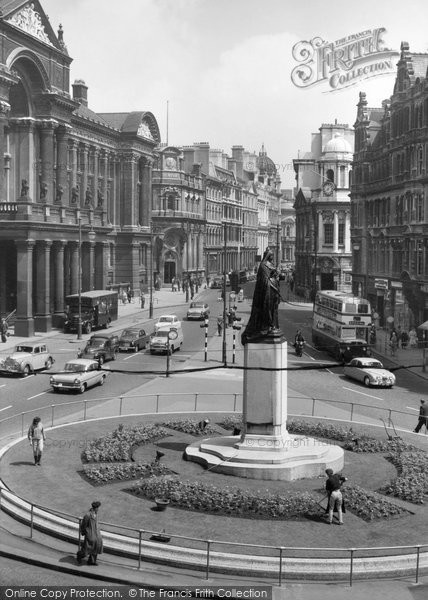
151,272
79,281
172,335
224,294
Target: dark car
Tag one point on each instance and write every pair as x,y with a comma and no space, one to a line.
101,347
133,339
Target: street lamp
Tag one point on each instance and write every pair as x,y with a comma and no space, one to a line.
224,294
151,272
172,335
79,278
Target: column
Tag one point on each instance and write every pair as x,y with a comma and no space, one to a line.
3,291
47,160
4,111
43,318
102,251
74,193
320,231
129,186
84,169
91,265
145,208
347,232
335,231
24,325
74,267
57,318
61,192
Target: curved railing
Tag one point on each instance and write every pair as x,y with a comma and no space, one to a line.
210,555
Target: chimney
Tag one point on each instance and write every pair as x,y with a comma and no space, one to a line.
238,156
80,92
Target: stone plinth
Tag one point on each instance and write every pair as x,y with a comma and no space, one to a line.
265,449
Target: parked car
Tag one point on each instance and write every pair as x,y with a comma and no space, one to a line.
101,347
167,321
27,358
370,371
159,341
78,375
134,339
198,310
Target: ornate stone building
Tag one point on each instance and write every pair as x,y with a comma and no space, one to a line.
178,218
75,184
390,197
323,212
288,230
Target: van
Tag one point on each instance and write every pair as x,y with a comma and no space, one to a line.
98,308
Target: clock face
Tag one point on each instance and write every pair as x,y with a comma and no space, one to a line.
328,188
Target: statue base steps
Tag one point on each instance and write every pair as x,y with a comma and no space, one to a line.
267,457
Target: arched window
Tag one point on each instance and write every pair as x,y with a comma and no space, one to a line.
330,175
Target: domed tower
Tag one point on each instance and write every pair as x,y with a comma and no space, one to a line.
336,163
266,168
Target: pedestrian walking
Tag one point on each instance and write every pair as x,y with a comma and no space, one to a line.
335,501
3,329
36,436
404,339
142,299
413,338
219,325
129,294
393,342
423,417
92,540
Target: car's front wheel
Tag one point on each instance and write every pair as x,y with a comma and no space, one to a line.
26,371
101,360
102,380
367,381
48,363
82,388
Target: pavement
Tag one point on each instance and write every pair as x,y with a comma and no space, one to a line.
58,555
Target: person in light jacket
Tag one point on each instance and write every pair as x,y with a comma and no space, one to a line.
36,435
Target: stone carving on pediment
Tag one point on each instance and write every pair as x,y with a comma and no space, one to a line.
144,131
29,20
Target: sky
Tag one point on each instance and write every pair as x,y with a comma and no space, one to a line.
221,69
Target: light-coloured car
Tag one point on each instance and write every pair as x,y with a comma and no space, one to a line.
198,311
78,375
167,322
133,339
27,358
159,341
369,371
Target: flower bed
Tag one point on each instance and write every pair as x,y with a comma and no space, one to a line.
412,481
190,426
231,501
118,445
102,474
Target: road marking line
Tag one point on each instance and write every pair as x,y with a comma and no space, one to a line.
363,394
41,394
131,356
6,407
2,385
412,408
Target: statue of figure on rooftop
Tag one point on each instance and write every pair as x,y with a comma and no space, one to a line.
263,320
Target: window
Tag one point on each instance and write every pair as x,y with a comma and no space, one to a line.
341,233
328,233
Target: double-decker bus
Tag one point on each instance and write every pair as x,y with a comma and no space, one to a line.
341,324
